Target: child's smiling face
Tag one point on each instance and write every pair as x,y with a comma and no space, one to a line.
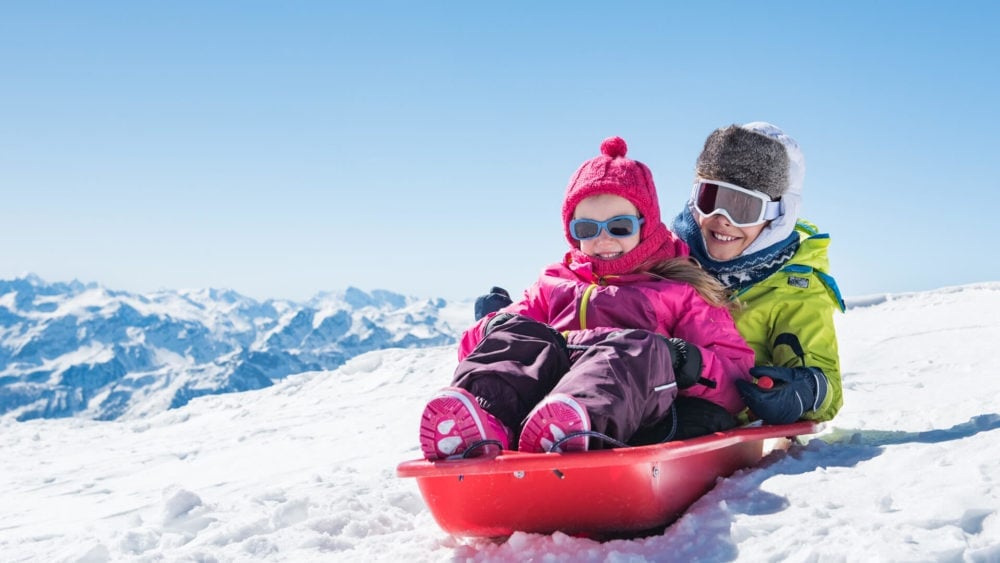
601,208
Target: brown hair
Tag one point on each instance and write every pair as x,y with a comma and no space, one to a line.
687,270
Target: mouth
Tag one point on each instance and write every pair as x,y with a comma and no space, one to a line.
723,238
609,255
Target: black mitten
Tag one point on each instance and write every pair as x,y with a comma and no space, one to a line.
496,299
686,359
497,320
783,395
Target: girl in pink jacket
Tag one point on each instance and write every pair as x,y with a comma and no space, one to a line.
598,348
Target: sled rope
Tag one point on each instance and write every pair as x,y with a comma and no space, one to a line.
589,434
673,423
480,444
612,441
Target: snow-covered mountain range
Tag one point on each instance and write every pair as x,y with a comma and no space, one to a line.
74,349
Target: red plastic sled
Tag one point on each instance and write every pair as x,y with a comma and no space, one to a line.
599,493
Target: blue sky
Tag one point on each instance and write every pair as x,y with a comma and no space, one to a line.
286,148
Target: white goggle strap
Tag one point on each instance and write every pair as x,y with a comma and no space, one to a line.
773,210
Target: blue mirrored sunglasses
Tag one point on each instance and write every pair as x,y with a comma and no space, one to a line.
621,226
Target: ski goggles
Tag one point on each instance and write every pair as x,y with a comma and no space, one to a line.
743,207
621,226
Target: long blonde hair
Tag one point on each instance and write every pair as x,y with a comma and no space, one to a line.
687,270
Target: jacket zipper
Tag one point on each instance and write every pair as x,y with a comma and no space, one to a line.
584,300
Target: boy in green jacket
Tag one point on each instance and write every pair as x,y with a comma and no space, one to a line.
742,225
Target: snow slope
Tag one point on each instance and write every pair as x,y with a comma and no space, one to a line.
305,470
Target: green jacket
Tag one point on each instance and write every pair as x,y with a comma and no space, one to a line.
798,300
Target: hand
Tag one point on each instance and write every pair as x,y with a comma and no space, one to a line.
686,360
783,395
496,299
497,320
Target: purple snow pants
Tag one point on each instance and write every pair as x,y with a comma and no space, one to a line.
623,377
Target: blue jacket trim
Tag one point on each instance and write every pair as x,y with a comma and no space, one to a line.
827,279
831,284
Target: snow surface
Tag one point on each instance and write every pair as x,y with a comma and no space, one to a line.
305,470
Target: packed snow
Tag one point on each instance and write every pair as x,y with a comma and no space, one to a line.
305,470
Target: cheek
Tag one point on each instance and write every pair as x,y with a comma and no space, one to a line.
703,226
751,233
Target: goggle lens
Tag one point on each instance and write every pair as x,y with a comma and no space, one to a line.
742,206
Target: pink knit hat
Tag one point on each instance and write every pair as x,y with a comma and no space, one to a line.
612,173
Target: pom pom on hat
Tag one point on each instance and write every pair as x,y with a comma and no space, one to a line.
614,147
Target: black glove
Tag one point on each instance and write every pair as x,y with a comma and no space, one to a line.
496,299
686,360
783,395
496,321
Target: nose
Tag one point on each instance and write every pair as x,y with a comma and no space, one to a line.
604,236
722,219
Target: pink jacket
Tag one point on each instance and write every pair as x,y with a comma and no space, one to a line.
569,297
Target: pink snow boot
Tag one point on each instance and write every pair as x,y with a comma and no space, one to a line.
453,423
550,421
